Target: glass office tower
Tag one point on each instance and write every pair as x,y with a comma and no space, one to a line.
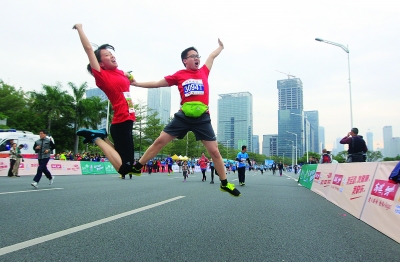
235,120
159,99
290,118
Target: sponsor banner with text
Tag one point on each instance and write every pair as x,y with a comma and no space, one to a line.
307,174
92,168
350,185
323,179
382,206
29,167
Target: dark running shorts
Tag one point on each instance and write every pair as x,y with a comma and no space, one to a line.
200,126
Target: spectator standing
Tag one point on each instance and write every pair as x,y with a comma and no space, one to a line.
13,159
19,159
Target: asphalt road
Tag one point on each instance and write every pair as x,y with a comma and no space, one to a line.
161,218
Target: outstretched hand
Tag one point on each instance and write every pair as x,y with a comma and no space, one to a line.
77,26
220,43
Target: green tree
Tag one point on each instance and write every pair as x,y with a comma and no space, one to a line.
373,156
341,156
397,158
88,112
52,103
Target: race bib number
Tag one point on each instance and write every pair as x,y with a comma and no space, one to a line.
129,101
193,87
243,160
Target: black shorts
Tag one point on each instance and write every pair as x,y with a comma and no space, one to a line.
200,126
123,140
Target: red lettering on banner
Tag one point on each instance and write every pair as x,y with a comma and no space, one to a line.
34,165
358,190
56,166
337,179
3,166
317,175
384,189
329,175
351,180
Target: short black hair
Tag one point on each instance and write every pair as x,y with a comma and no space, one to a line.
98,55
244,147
354,130
21,145
186,51
43,131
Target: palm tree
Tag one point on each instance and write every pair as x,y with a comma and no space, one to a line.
52,102
88,111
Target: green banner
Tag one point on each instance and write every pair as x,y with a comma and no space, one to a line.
92,168
109,168
307,174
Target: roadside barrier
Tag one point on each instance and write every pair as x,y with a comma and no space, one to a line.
361,189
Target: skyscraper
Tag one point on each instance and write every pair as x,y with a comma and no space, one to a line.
387,138
312,117
97,92
159,99
270,145
322,138
256,144
235,120
290,109
370,141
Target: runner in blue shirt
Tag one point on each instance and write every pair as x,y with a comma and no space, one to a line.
242,157
169,163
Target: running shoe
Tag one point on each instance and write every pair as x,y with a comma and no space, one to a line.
51,180
34,184
90,135
136,170
230,188
212,182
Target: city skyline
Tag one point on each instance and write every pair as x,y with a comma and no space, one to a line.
43,52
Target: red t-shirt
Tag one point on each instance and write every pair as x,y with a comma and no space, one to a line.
203,162
192,85
114,83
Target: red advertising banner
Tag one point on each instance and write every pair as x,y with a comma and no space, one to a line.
350,185
382,206
29,167
323,179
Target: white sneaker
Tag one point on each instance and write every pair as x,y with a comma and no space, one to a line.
51,180
34,184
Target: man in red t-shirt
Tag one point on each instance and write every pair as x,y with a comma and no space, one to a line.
193,88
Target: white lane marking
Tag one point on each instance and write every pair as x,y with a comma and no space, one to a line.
39,240
29,191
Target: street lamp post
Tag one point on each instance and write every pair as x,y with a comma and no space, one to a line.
303,132
292,151
296,145
346,49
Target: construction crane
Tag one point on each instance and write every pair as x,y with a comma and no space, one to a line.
288,75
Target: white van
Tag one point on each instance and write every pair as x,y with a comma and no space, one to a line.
9,136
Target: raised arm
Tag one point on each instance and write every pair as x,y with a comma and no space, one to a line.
152,84
214,54
88,47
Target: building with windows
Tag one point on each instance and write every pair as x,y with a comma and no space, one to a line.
159,99
97,92
270,145
370,141
235,120
387,139
312,117
290,116
256,144
321,136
